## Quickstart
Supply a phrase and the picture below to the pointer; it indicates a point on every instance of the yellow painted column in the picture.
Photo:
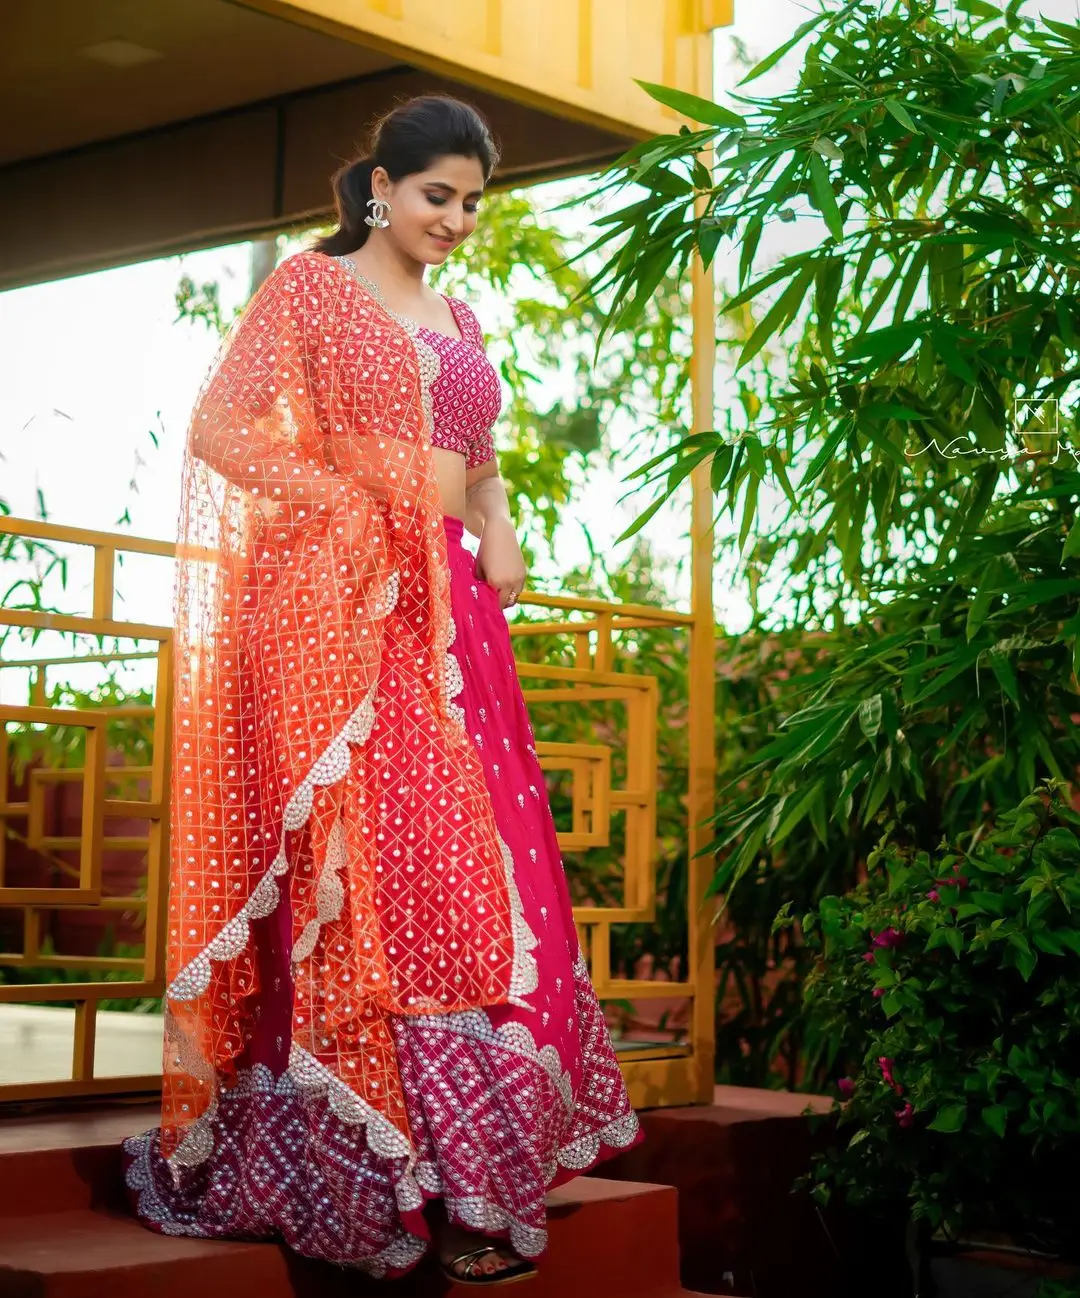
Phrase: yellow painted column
(702, 726)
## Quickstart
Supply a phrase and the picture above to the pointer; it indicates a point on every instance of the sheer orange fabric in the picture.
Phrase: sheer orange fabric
(315, 748)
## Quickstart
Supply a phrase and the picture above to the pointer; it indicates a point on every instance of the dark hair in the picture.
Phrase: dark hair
(405, 141)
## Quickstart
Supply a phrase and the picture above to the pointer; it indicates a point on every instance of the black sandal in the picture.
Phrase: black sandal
(522, 1269)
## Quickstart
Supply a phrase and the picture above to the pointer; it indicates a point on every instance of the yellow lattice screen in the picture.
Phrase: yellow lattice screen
(69, 862)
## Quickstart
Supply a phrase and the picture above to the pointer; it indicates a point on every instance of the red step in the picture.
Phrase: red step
(734, 1164)
(64, 1233)
(67, 1160)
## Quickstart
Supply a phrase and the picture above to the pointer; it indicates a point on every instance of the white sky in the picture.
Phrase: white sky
(95, 363)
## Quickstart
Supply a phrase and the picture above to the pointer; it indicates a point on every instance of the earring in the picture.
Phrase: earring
(380, 213)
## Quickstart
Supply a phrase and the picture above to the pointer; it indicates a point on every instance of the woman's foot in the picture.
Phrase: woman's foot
(455, 1243)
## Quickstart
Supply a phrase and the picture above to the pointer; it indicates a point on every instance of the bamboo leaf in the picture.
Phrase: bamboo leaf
(961, 662)
(1006, 677)
(755, 456)
(799, 811)
(902, 115)
(1072, 542)
(692, 106)
(870, 716)
(908, 288)
(785, 269)
(749, 509)
(821, 186)
(750, 240)
(641, 520)
(828, 149)
(1042, 592)
(779, 316)
(829, 277)
(979, 608)
(771, 60)
(825, 454)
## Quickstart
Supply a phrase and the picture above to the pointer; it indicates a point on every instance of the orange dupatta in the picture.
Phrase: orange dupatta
(316, 747)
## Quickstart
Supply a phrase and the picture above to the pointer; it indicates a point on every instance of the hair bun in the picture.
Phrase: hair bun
(406, 141)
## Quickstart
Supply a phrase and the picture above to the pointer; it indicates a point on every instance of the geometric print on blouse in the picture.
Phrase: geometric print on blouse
(466, 397)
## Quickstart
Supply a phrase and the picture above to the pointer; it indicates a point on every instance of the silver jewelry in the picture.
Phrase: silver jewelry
(380, 213)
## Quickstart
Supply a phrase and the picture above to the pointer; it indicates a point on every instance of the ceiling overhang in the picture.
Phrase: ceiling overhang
(130, 130)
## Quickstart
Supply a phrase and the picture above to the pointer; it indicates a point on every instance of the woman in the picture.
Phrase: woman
(380, 1031)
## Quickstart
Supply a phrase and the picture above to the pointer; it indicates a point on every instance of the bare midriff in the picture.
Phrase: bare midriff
(450, 476)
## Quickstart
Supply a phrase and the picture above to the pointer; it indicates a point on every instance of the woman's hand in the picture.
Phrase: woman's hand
(499, 560)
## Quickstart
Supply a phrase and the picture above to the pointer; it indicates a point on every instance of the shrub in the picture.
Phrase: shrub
(948, 985)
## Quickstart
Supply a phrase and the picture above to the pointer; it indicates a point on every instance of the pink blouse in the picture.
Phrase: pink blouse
(466, 397)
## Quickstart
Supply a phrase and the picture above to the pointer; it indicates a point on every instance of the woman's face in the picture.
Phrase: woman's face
(433, 211)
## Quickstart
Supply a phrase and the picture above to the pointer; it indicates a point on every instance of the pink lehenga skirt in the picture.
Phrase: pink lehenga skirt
(503, 1104)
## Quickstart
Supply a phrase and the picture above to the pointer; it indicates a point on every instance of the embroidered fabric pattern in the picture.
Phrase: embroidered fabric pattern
(466, 396)
(194, 978)
(312, 631)
(523, 977)
(493, 1133)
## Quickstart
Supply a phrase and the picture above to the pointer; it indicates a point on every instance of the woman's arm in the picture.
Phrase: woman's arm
(485, 497)
(499, 560)
(258, 435)
(266, 470)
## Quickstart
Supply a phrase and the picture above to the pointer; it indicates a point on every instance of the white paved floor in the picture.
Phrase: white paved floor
(36, 1043)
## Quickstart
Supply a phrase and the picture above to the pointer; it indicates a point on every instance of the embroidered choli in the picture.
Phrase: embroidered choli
(466, 397)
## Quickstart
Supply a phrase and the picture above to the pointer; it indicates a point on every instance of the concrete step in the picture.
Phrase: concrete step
(606, 1238)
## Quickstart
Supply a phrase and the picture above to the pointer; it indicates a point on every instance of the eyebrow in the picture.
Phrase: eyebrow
(449, 189)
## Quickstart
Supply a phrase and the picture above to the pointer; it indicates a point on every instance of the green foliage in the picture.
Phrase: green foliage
(759, 1028)
(107, 947)
(907, 522)
(65, 746)
(948, 987)
(202, 302)
(29, 568)
(949, 303)
(1060, 1288)
(955, 695)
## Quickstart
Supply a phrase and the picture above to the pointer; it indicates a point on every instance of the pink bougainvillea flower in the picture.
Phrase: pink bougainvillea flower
(888, 937)
(878, 993)
(905, 1115)
(886, 1065)
(934, 895)
(846, 1087)
(953, 881)
(869, 957)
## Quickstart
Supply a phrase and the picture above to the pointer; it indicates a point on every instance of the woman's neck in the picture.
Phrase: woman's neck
(399, 276)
